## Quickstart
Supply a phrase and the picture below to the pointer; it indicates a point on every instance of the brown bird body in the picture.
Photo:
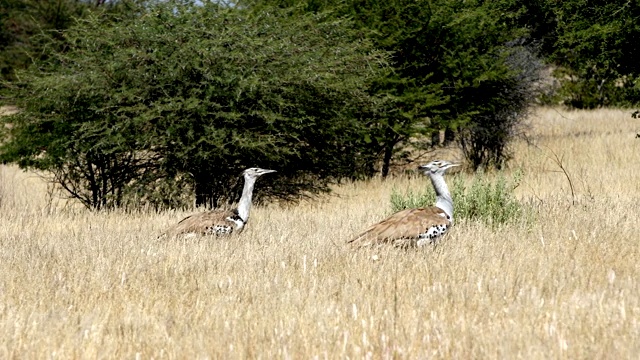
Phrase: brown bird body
(415, 227)
(221, 222)
(410, 227)
(217, 222)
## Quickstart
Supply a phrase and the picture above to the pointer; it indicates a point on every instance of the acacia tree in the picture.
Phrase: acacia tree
(193, 94)
(594, 48)
(457, 66)
(23, 21)
(492, 73)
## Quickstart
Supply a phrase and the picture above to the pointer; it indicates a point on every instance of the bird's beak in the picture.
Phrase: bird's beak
(266, 171)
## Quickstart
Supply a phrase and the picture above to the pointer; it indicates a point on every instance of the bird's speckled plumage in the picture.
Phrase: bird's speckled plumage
(216, 222)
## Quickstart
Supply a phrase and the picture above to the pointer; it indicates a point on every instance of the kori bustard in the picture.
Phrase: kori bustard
(221, 222)
(415, 227)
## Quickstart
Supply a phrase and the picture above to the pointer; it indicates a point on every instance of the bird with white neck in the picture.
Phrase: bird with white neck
(221, 222)
(415, 227)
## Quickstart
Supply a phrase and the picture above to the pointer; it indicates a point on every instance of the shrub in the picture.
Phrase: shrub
(491, 202)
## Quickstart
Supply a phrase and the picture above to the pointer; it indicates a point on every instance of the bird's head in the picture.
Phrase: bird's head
(436, 167)
(256, 172)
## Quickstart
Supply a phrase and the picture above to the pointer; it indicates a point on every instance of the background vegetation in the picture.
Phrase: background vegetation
(24, 22)
(129, 103)
(595, 47)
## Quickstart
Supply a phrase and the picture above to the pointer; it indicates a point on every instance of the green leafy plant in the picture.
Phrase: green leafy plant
(490, 201)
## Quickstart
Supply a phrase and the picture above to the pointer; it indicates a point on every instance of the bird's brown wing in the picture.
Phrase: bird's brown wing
(204, 223)
(405, 224)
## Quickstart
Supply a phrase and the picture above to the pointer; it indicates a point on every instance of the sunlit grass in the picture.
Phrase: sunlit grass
(75, 284)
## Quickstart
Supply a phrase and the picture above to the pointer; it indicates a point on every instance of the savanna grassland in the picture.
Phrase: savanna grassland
(76, 284)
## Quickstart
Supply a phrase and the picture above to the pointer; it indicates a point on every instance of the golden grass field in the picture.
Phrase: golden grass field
(76, 284)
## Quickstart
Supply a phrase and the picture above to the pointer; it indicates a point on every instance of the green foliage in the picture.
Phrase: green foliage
(195, 94)
(20, 20)
(190, 92)
(489, 201)
(25, 25)
(493, 79)
(459, 66)
(594, 44)
(471, 53)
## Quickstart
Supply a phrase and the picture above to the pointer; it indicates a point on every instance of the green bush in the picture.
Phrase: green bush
(492, 202)
(591, 47)
(191, 93)
(468, 68)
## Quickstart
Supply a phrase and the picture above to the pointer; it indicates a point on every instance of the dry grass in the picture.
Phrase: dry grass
(74, 284)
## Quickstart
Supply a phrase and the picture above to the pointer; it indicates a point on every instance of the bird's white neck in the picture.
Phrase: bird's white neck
(244, 205)
(443, 197)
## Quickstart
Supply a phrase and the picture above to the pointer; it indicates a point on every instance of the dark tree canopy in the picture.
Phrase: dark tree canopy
(463, 67)
(597, 48)
(26, 24)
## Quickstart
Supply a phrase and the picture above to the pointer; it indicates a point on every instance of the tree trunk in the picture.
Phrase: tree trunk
(388, 154)
(449, 136)
(204, 196)
(435, 138)
(386, 160)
